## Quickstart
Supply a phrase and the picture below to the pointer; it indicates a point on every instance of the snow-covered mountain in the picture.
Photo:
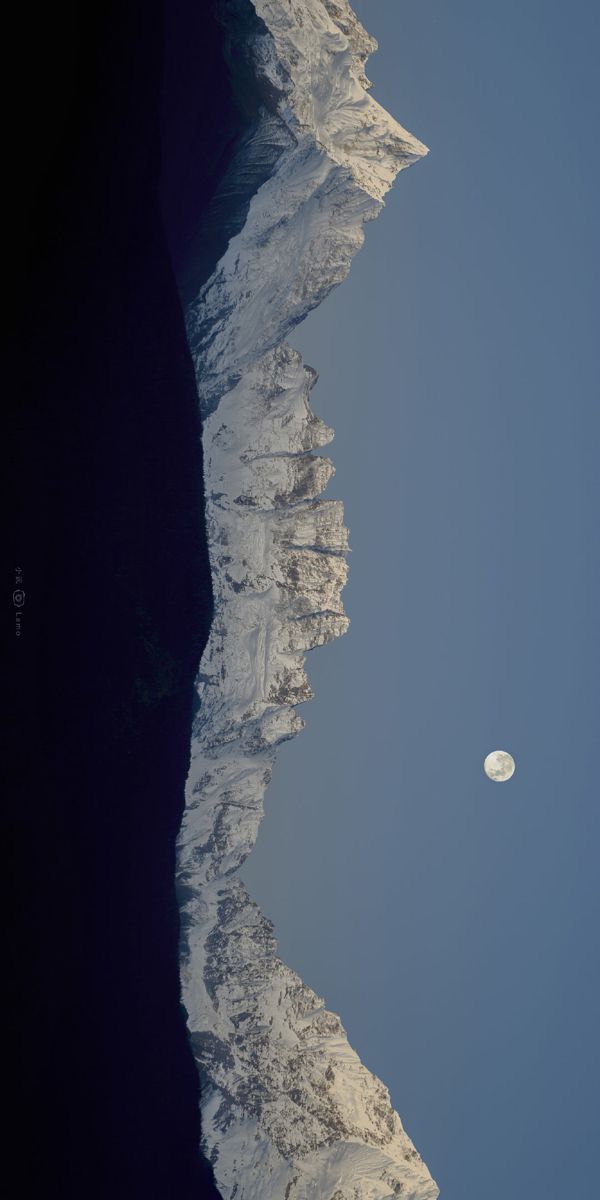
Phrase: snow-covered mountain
(289, 1112)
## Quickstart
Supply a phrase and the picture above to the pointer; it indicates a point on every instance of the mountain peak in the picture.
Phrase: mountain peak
(324, 48)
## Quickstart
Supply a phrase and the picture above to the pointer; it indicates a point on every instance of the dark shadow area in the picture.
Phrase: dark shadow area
(107, 542)
(216, 151)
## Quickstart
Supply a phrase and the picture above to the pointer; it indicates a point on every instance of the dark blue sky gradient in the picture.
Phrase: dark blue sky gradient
(453, 922)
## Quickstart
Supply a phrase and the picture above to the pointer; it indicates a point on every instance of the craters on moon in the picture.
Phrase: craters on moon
(499, 765)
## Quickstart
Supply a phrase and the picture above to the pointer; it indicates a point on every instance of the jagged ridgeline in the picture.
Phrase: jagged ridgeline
(288, 1109)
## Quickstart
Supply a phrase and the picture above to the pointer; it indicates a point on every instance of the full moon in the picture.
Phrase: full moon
(499, 765)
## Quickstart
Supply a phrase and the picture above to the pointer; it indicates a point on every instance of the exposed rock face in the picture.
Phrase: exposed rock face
(289, 1110)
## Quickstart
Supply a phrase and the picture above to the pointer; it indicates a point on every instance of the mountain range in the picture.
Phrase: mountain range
(288, 1110)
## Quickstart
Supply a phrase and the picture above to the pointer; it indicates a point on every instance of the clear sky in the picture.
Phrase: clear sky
(453, 922)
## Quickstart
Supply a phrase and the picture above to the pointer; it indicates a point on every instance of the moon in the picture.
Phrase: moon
(499, 766)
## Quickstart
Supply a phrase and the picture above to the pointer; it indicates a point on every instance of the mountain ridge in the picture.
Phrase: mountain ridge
(288, 1109)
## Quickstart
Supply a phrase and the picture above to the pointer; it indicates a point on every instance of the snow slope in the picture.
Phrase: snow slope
(288, 1109)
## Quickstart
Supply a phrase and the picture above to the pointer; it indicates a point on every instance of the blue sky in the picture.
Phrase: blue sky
(453, 922)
